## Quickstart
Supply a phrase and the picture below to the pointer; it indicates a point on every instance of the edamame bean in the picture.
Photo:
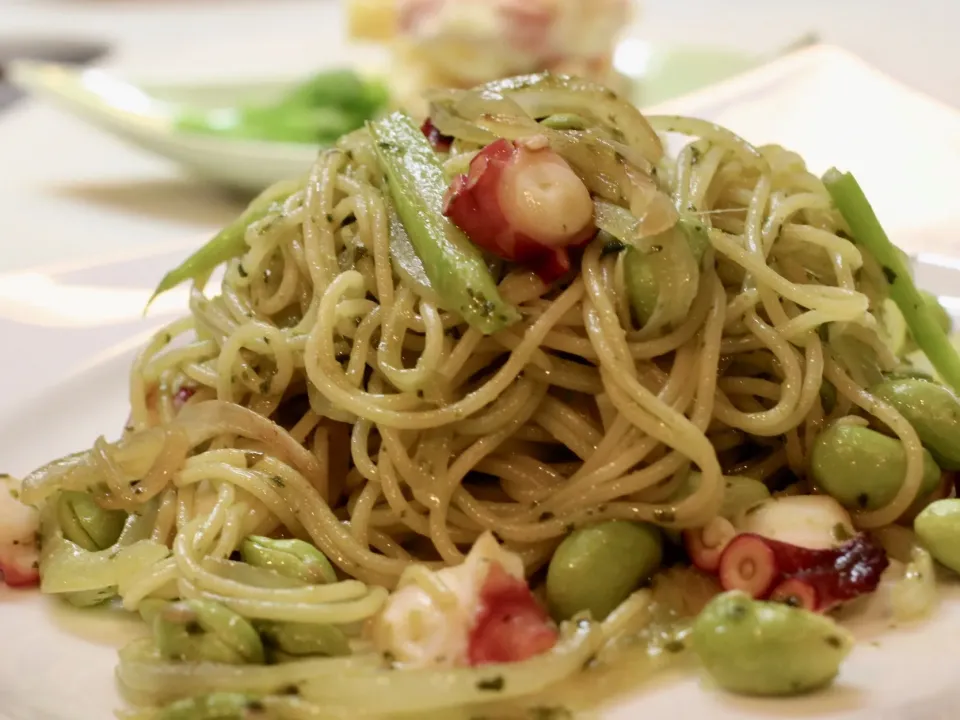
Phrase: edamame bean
(216, 706)
(292, 558)
(202, 630)
(739, 493)
(87, 524)
(763, 648)
(909, 373)
(596, 567)
(938, 528)
(934, 412)
(302, 639)
(862, 469)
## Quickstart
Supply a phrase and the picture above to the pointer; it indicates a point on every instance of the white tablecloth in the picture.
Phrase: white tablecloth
(69, 193)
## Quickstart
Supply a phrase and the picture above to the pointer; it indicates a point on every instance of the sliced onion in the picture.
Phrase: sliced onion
(136, 453)
(626, 228)
(153, 680)
(66, 567)
(548, 94)
(419, 691)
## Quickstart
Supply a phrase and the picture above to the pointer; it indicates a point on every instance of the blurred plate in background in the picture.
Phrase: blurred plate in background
(135, 111)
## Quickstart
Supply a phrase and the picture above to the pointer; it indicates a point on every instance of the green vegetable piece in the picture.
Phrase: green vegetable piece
(938, 527)
(229, 242)
(642, 284)
(318, 110)
(303, 639)
(342, 89)
(862, 469)
(205, 631)
(321, 125)
(216, 706)
(938, 311)
(924, 326)
(454, 265)
(908, 373)
(740, 493)
(596, 567)
(87, 524)
(565, 121)
(762, 648)
(934, 412)
(291, 558)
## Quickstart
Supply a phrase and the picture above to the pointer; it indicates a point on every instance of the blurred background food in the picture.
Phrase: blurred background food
(98, 194)
(460, 43)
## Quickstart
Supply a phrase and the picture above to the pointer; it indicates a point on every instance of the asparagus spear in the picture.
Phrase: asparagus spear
(455, 267)
(229, 242)
(924, 326)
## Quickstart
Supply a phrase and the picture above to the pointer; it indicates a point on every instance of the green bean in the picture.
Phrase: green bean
(761, 648)
(290, 558)
(303, 639)
(924, 326)
(864, 470)
(205, 631)
(596, 567)
(216, 706)
(740, 494)
(932, 410)
(454, 265)
(85, 523)
(938, 527)
(229, 242)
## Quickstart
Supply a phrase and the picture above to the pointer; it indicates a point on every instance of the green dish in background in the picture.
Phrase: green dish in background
(246, 135)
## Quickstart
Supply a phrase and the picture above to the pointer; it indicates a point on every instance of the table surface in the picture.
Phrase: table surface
(69, 193)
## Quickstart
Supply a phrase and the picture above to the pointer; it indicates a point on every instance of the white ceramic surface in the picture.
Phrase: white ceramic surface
(69, 334)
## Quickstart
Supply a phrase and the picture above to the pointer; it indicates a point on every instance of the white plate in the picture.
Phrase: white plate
(69, 335)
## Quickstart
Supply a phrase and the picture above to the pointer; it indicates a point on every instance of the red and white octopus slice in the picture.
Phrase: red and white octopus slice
(484, 613)
(19, 528)
(800, 549)
(522, 202)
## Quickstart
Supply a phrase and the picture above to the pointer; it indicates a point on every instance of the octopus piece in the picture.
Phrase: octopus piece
(475, 613)
(522, 202)
(19, 529)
